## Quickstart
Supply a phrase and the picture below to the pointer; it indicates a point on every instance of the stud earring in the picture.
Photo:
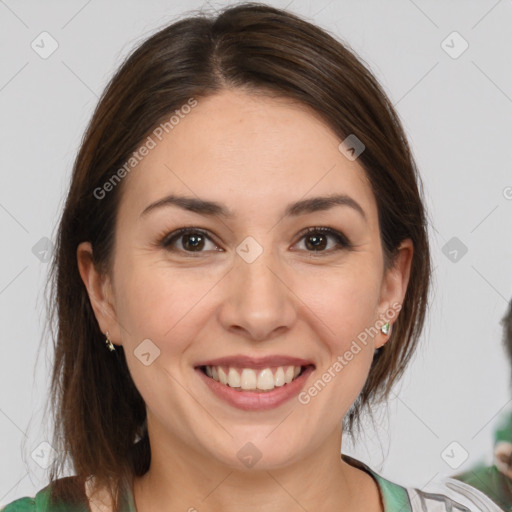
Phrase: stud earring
(109, 343)
(385, 328)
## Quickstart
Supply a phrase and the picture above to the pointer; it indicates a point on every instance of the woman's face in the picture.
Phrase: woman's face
(250, 284)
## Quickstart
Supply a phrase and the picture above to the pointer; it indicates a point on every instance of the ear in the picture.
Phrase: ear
(394, 286)
(99, 289)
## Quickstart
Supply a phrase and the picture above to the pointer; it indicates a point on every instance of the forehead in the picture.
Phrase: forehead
(250, 151)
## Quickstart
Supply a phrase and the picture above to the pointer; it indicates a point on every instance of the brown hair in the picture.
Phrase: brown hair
(98, 412)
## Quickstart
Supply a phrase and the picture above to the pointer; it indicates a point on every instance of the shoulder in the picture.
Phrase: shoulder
(63, 495)
(26, 504)
(490, 481)
(448, 494)
(441, 495)
(484, 477)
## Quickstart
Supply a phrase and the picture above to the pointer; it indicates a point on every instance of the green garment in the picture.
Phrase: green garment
(395, 498)
(489, 479)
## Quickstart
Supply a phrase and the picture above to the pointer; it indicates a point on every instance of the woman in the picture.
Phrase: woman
(242, 269)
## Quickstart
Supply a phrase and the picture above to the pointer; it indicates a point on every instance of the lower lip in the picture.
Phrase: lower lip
(257, 401)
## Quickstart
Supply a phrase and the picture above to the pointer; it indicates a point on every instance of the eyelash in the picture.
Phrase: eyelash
(342, 242)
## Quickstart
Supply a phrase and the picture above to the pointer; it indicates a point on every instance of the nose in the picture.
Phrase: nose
(258, 301)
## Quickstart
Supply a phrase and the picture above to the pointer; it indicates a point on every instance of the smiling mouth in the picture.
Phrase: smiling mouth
(249, 379)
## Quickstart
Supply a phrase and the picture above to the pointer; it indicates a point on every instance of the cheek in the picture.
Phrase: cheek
(156, 305)
(346, 302)
(157, 302)
(346, 310)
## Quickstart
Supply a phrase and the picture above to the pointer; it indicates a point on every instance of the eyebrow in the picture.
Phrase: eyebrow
(212, 208)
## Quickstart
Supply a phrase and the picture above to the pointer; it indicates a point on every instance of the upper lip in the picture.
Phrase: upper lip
(242, 361)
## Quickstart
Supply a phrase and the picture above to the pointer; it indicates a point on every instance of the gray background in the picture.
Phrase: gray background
(457, 113)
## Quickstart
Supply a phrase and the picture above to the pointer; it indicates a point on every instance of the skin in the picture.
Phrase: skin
(255, 154)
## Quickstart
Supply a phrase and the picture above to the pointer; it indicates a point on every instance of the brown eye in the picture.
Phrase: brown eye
(317, 239)
(187, 240)
(316, 242)
(193, 241)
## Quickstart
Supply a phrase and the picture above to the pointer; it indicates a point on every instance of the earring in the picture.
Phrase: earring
(385, 328)
(109, 343)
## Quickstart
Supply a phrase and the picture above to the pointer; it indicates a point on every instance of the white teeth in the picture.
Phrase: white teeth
(288, 376)
(250, 380)
(279, 377)
(223, 378)
(266, 379)
(233, 378)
